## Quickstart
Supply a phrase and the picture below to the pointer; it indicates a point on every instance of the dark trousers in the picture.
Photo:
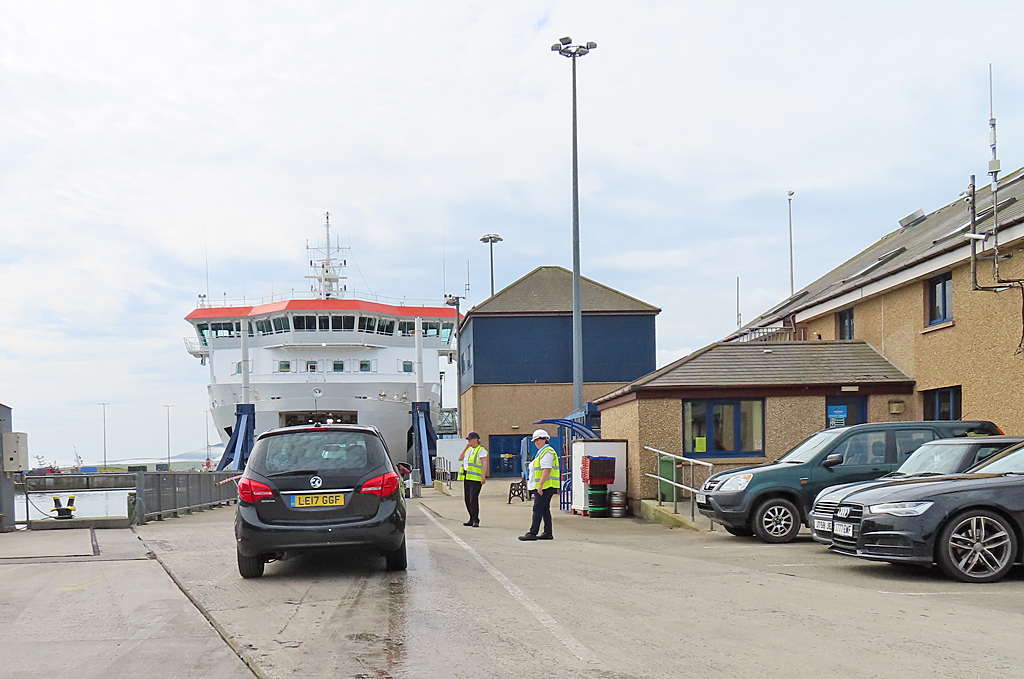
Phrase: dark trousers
(471, 491)
(542, 510)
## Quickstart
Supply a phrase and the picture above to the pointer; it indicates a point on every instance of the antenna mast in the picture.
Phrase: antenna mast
(326, 271)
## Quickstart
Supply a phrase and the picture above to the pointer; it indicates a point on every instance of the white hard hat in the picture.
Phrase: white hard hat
(540, 434)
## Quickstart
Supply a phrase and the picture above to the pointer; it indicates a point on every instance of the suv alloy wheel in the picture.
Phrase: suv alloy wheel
(776, 520)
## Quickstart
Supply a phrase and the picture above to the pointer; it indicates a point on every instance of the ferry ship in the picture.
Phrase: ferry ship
(330, 355)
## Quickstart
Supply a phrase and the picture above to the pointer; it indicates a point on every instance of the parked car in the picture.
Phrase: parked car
(317, 487)
(969, 524)
(935, 458)
(773, 500)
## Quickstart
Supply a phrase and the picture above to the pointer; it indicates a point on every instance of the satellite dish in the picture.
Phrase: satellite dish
(318, 392)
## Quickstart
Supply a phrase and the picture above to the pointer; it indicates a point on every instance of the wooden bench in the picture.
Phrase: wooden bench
(517, 489)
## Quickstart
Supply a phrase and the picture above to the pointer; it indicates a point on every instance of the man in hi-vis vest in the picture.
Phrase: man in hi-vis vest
(473, 473)
(544, 477)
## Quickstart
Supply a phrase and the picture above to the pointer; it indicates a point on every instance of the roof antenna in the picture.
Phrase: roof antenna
(444, 272)
(993, 171)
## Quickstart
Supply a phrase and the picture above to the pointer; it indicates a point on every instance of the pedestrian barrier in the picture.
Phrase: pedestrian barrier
(443, 470)
(159, 495)
(673, 481)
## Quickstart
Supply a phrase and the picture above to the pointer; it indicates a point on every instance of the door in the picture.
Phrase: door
(503, 455)
(842, 411)
(866, 456)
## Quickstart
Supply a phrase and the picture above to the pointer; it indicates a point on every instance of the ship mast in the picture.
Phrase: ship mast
(326, 271)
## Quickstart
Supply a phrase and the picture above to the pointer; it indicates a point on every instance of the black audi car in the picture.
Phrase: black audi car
(935, 458)
(318, 487)
(970, 525)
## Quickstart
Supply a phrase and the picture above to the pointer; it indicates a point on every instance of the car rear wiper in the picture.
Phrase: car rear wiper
(891, 474)
(294, 471)
(929, 474)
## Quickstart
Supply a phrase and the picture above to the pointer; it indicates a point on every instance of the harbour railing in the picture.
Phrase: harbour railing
(159, 495)
(674, 481)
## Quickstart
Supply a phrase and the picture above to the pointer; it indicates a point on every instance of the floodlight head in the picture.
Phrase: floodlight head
(565, 41)
(580, 51)
(790, 193)
(557, 47)
(591, 45)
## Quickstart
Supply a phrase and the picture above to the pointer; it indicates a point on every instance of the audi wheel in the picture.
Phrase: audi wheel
(977, 546)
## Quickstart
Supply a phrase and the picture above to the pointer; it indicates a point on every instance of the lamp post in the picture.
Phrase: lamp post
(104, 406)
(789, 199)
(565, 47)
(453, 300)
(491, 239)
(168, 436)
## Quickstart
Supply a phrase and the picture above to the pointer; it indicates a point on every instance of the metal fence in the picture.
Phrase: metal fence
(162, 494)
(691, 490)
(443, 470)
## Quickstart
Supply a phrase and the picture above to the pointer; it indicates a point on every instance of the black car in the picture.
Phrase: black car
(772, 500)
(935, 458)
(315, 487)
(969, 524)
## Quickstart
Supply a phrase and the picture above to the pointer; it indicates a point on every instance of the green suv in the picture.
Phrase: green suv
(773, 500)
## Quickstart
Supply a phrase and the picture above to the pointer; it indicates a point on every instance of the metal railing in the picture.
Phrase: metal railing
(675, 485)
(162, 494)
(44, 483)
(448, 421)
(776, 334)
(443, 470)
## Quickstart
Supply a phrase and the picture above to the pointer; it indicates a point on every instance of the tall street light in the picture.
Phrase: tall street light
(565, 47)
(168, 437)
(104, 405)
(789, 199)
(491, 239)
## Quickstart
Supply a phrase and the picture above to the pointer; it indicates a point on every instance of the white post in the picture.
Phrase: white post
(418, 335)
(244, 325)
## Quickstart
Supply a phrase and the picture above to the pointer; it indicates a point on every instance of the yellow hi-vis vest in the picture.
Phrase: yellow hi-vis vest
(554, 479)
(473, 471)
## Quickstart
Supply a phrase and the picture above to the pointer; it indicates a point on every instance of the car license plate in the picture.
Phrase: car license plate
(843, 529)
(318, 500)
(702, 499)
(820, 524)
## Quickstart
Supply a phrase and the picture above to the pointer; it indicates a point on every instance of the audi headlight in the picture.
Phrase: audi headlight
(901, 508)
(735, 483)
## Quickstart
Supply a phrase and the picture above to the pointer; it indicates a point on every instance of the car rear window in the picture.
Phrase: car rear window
(350, 452)
(1008, 461)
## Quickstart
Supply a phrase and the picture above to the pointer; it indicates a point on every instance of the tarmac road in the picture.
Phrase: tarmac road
(609, 599)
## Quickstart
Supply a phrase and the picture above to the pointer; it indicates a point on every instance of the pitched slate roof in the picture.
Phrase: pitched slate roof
(772, 364)
(932, 235)
(548, 290)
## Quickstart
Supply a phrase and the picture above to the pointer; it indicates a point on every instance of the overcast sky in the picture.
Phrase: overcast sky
(138, 137)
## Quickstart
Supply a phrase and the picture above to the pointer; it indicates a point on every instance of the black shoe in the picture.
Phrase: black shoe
(475, 524)
(545, 536)
(529, 537)
(468, 523)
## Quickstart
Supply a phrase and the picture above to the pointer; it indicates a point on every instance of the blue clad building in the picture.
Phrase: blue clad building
(515, 354)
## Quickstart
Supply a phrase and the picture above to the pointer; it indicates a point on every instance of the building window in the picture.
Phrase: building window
(844, 321)
(365, 366)
(940, 299)
(311, 366)
(284, 366)
(942, 404)
(733, 428)
(407, 366)
(339, 366)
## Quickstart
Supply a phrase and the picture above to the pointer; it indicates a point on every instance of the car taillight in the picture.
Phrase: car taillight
(381, 486)
(251, 491)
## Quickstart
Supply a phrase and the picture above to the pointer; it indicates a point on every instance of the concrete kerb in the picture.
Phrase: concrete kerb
(650, 510)
(224, 634)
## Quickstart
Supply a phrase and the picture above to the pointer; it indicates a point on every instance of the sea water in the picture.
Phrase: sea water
(88, 503)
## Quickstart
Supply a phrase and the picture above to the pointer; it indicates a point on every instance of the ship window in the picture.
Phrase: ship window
(264, 326)
(446, 332)
(385, 327)
(339, 366)
(281, 324)
(204, 332)
(311, 366)
(431, 328)
(284, 366)
(407, 366)
(367, 324)
(237, 368)
(325, 322)
(343, 322)
(304, 322)
(406, 328)
(223, 329)
(365, 366)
